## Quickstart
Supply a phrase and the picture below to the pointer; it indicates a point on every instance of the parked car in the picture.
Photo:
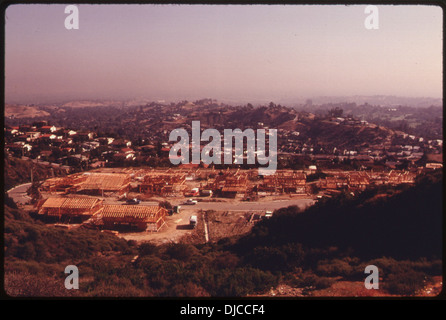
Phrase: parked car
(191, 202)
(133, 201)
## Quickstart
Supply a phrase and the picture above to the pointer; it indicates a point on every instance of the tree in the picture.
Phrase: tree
(336, 112)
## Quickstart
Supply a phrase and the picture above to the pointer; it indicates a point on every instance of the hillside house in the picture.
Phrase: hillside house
(32, 135)
(48, 129)
(121, 143)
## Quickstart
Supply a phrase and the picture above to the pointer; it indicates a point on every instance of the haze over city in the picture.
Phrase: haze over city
(244, 53)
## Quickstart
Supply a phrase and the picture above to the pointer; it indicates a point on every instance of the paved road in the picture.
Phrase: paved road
(18, 194)
(228, 206)
(111, 201)
(250, 206)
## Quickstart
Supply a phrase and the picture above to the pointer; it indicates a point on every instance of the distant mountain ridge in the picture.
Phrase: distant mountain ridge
(379, 100)
(382, 100)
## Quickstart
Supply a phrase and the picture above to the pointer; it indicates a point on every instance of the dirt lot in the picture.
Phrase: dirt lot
(176, 227)
(223, 224)
(219, 224)
(217, 218)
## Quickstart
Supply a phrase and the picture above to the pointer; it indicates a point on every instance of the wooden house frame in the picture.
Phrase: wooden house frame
(59, 207)
(144, 218)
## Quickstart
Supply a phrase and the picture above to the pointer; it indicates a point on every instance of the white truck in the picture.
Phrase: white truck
(193, 221)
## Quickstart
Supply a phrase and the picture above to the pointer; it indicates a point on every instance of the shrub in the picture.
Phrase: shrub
(166, 204)
(181, 251)
(267, 258)
(115, 286)
(26, 251)
(406, 283)
(9, 202)
(189, 289)
(335, 267)
(306, 279)
(226, 260)
(24, 284)
(323, 282)
(147, 248)
(240, 282)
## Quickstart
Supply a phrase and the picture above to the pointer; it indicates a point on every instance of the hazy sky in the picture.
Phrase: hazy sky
(245, 52)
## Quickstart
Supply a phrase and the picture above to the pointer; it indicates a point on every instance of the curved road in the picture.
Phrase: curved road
(18, 193)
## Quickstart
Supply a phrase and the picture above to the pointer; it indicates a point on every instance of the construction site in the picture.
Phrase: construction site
(158, 204)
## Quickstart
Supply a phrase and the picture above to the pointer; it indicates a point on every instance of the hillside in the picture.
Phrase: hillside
(154, 121)
(36, 255)
(17, 171)
(406, 225)
(324, 250)
(22, 111)
(331, 134)
(321, 251)
(424, 122)
(40, 252)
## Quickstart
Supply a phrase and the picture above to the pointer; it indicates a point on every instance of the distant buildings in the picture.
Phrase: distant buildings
(284, 182)
(360, 180)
